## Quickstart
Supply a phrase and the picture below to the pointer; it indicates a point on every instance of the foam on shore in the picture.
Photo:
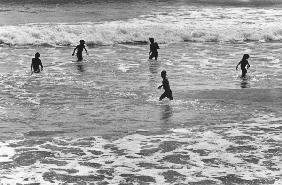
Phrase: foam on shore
(242, 153)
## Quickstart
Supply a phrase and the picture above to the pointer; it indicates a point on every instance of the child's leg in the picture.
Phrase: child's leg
(156, 56)
(79, 57)
(244, 72)
(162, 96)
(169, 95)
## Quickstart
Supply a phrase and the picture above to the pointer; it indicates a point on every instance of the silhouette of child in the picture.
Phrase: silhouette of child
(36, 62)
(153, 49)
(166, 87)
(79, 49)
(244, 62)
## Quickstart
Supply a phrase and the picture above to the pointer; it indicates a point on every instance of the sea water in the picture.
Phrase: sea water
(99, 121)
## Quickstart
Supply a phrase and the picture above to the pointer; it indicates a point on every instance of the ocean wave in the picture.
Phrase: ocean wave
(110, 33)
(238, 2)
(216, 2)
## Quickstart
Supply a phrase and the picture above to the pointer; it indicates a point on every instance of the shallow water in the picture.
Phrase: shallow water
(116, 85)
(100, 120)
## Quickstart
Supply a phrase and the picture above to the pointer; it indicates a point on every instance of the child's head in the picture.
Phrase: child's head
(82, 42)
(163, 74)
(151, 40)
(246, 56)
(37, 55)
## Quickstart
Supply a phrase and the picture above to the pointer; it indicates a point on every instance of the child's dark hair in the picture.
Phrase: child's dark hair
(163, 73)
(151, 39)
(82, 42)
(37, 55)
(245, 56)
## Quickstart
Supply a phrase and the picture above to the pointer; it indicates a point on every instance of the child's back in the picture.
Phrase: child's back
(153, 49)
(35, 63)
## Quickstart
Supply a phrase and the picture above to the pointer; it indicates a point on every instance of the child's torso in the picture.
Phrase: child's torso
(243, 64)
(80, 48)
(36, 62)
(154, 46)
(166, 85)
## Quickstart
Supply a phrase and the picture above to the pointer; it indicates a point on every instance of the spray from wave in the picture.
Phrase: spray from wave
(111, 33)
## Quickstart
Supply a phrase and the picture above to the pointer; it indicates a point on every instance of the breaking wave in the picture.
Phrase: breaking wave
(216, 2)
(110, 33)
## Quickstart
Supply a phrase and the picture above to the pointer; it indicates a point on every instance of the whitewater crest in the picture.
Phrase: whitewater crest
(119, 32)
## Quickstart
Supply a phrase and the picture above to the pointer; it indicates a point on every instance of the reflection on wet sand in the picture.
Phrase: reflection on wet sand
(80, 67)
(153, 68)
(166, 112)
(245, 83)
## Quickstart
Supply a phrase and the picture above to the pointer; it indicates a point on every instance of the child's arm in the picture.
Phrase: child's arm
(74, 50)
(248, 65)
(41, 65)
(31, 67)
(85, 50)
(238, 65)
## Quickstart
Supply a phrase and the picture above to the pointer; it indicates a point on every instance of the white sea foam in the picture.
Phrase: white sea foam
(214, 153)
(6, 152)
(110, 33)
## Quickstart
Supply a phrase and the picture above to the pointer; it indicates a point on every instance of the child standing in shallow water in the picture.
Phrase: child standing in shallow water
(166, 87)
(79, 49)
(153, 49)
(244, 62)
(35, 63)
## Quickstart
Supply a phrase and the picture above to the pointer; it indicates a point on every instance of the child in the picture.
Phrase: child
(166, 87)
(153, 49)
(80, 48)
(36, 62)
(244, 62)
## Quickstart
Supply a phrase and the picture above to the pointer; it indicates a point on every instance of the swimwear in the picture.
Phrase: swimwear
(244, 72)
(167, 94)
(154, 49)
(155, 54)
(79, 56)
(36, 62)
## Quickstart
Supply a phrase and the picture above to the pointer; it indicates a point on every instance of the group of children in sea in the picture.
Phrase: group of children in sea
(153, 53)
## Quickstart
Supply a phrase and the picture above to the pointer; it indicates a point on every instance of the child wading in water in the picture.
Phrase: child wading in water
(79, 49)
(244, 62)
(153, 49)
(168, 92)
(35, 63)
